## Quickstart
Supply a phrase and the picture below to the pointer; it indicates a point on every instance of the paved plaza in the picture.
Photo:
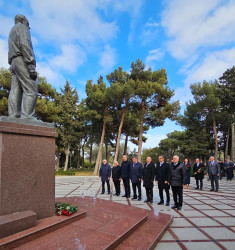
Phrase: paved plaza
(206, 221)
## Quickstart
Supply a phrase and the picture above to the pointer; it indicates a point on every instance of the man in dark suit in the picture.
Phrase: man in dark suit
(125, 175)
(105, 173)
(136, 176)
(213, 170)
(162, 178)
(148, 178)
(198, 170)
(228, 165)
(177, 180)
(116, 175)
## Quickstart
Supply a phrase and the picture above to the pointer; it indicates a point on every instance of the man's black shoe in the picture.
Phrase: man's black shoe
(175, 206)
(212, 189)
(134, 198)
(196, 188)
(200, 188)
(179, 208)
(102, 193)
(118, 194)
(124, 195)
(139, 199)
(151, 202)
(145, 200)
(127, 196)
(167, 204)
(216, 190)
(160, 202)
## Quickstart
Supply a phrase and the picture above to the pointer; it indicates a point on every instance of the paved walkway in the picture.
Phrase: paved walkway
(206, 221)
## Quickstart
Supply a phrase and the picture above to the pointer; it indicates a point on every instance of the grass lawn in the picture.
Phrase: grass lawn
(75, 172)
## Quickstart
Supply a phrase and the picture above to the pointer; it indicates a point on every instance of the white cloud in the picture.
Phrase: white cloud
(151, 142)
(68, 21)
(213, 66)
(150, 31)
(154, 55)
(132, 7)
(70, 59)
(4, 54)
(6, 24)
(107, 59)
(191, 25)
(210, 68)
(53, 77)
(200, 34)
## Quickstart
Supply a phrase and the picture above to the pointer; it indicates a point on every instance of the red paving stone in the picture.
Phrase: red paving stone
(202, 205)
(106, 226)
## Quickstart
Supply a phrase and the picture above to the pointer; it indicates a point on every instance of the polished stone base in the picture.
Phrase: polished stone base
(27, 168)
(17, 222)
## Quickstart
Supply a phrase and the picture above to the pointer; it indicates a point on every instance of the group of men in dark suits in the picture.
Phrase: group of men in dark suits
(165, 174)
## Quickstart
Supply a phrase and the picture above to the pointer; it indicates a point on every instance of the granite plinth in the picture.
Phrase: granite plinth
(106, 226)
(14, 223)
(27, 168)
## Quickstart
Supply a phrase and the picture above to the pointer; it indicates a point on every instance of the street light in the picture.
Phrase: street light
(70, 154)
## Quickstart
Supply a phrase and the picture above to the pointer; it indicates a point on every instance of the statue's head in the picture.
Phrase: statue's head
(21, 19)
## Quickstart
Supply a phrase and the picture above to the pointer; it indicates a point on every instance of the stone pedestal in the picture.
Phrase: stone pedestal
(27, 167)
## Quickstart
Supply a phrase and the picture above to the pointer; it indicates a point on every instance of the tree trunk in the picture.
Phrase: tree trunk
(57, 161)
(125, 146)
(66, 151)
(83, 153)
(120, 132)
(227, 143)
(233, 141)
(216, 136)
(79, 157)
(107, 152)
(141, 132)
(90, 156)
(99, 156)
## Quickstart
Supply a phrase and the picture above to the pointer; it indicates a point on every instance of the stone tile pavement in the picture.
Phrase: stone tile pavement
(206, 221)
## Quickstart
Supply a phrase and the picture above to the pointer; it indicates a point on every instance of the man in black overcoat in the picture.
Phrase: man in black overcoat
(162, 178)
(125, 175)
(105, 173)
(177, 181)
(148, 178)
(198, 170)
(116, 175)
(136, 176)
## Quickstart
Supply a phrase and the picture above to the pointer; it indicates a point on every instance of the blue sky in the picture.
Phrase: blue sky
(79, 40)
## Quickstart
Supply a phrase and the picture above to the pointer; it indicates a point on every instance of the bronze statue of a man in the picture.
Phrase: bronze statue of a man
(23, 95)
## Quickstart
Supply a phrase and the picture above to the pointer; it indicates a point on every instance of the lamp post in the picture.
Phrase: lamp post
(70, 154)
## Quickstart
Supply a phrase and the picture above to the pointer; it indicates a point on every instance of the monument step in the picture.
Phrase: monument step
(148, 235)
(43, 226)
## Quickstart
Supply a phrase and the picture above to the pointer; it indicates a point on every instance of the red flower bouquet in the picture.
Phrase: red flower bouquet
(65, 209)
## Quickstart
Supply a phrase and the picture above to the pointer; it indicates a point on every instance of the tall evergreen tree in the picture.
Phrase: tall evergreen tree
(152, 98)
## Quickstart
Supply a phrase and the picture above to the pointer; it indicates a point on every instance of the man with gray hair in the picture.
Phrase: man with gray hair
(177, 180)
(23, 95)
(105, 173)
(213, 170)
